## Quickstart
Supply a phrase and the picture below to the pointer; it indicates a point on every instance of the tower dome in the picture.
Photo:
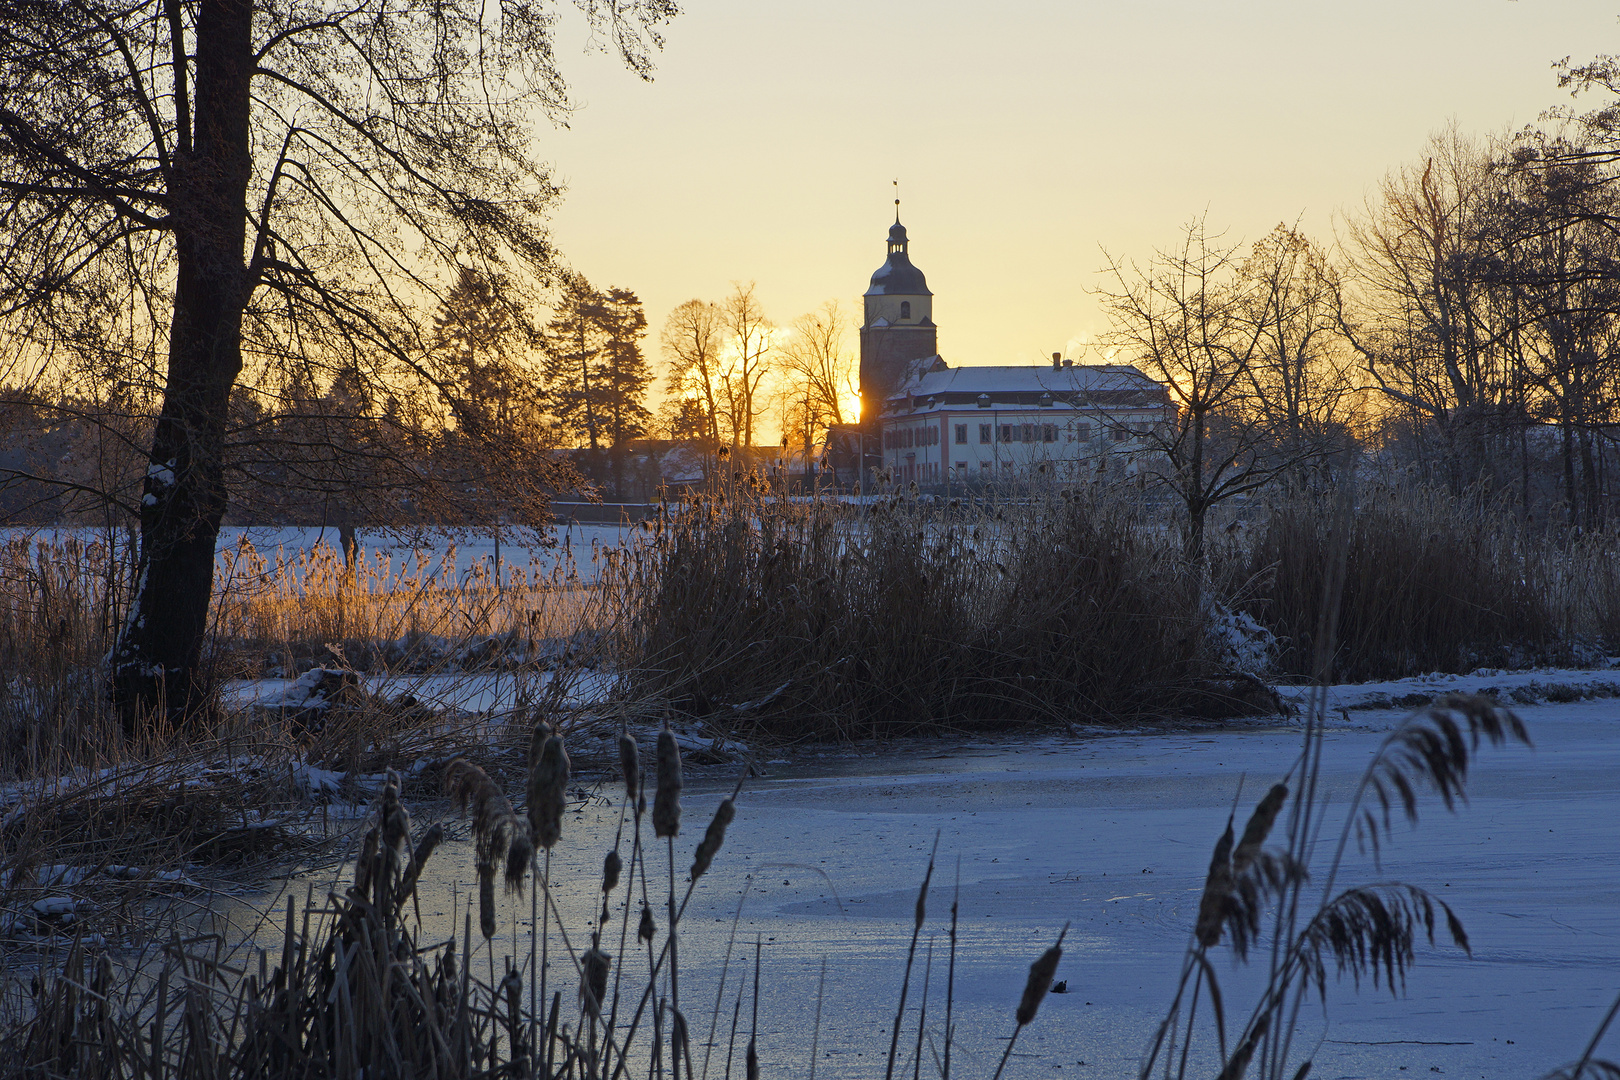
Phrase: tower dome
(897, 276)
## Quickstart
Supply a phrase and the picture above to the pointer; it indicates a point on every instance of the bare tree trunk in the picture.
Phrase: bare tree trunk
(156, 663)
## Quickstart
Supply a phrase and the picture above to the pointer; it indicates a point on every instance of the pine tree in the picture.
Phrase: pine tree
(477, 342)
(573, 351)
(623, 375)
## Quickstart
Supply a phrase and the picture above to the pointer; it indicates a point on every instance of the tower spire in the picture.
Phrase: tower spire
(897, 202)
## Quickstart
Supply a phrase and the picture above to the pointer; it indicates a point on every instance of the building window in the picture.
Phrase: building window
(961, 467)
(984, 466)
(1009, 433)
(1026, 433)
(984, 434)
(984, 401)
(1082, 432)
(905, 309)
(1048, 433)
(1121, 434)
(961, 434)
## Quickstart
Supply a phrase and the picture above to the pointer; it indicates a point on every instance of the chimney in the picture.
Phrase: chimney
(1068, 363)
(1057, 360)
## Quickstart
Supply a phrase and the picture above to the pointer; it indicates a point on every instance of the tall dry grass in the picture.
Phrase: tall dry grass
(60, 603)
(811, 619)
(1432, 584)
(411, 611)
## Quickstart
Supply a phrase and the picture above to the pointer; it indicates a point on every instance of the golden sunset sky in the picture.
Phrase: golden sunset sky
(1026, 138)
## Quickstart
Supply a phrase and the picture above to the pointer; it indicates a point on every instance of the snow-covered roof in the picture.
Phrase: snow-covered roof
(929, 383)
(1039, 378)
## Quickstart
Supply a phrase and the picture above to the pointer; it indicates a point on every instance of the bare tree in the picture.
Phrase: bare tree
(1431, 331)
(1559, 266)
(747, 362)
(815, 363)
(1300, 381)
(245, 180)
(692, 339)
(1193, 323)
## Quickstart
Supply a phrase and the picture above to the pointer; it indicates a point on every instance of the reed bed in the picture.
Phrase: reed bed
(1433, 584)
(783, 618)
(409, 612)
(355, 990)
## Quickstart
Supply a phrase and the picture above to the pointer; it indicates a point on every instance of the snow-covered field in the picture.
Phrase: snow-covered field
(1112, 834)
(574, 545)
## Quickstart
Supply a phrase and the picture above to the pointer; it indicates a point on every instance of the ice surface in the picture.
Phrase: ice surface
(1113, 833)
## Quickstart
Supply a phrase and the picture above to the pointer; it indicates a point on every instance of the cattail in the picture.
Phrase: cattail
(611, 866)
(447, 966)
(499, 835)
(1217, 890)
(713, 837)
(646, 930)
(396, 829)
(512, 990)
(1258, 828)
(519, 851)
(424, 848)
(492, 813)
(666, 814)
(486, 899)
(548, 792)
(921, 911)
(537, 740)
(593, 976)
(630, 765)
(1040, 980)
(363, 866)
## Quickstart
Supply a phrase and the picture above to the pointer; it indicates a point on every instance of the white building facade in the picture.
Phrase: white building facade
(1068, 422)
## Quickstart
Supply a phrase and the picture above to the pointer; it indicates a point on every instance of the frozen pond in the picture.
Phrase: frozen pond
(1112, 834)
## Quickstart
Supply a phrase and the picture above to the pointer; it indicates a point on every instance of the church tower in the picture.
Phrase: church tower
(898, 326)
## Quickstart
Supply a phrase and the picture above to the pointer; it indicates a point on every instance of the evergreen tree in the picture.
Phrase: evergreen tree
(477, 343)
(623, 373)
(573, 350)
(596, 373)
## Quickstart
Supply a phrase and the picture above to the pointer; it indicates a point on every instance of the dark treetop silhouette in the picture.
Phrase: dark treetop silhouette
(236, 180)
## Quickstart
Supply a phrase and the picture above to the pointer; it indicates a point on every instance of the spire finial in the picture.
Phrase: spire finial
(897, 202)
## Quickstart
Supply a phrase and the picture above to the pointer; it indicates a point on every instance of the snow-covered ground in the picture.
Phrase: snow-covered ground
(483, 692)
(574, 545)
(1112, 834)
